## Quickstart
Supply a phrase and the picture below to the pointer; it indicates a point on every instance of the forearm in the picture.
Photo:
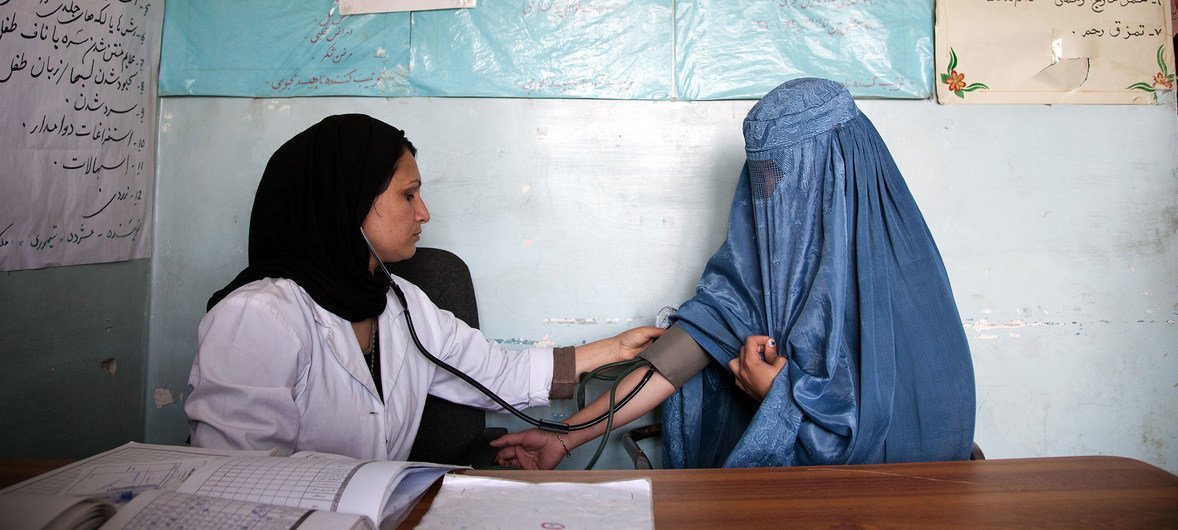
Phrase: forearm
(655, 392)
(595, 355)
(622, 347)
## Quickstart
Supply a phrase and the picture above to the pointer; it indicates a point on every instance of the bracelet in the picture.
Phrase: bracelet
(567, 453)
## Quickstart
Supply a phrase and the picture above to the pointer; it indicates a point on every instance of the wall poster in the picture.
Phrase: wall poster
(1053, 51)
(600, 49)
(79, 134)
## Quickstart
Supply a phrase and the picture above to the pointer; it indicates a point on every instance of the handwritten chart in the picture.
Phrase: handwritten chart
(168, 509)
(278, 48)
(741, 50)
(608, 49)
(290, 482)
(132, 464)
(1053, 51)
(134, 477)
(604, 49)
(78, 84)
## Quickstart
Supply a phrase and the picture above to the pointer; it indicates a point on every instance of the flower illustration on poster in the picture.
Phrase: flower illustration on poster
(956, 79)
(1163, 80)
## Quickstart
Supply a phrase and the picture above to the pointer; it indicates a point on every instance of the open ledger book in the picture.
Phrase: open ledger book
(151, 486)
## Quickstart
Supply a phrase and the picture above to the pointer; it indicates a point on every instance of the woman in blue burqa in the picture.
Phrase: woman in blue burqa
(823, 330)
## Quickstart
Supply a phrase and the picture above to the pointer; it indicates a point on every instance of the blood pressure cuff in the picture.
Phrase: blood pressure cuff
(676, 356)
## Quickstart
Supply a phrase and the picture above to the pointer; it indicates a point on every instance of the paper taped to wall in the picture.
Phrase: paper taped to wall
(358, 7)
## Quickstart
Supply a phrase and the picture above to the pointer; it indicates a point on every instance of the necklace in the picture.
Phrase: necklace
(369, 352)
(371, 339)
(373, 357)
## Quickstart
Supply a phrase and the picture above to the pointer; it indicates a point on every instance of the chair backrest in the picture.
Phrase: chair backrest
(447, 429)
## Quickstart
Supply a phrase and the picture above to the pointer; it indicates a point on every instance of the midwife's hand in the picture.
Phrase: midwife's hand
(631, 342)
(757, 366)
(530, 449)
(622, 347)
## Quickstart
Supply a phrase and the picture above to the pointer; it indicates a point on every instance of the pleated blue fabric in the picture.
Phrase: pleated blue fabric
(828, 254)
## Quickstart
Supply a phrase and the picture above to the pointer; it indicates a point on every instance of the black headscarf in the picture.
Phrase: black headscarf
(312, 200)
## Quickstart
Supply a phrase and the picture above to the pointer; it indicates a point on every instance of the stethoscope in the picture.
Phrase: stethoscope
(611, 372)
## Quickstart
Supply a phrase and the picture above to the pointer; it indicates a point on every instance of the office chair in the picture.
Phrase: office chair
(641, 461)
(450, 433)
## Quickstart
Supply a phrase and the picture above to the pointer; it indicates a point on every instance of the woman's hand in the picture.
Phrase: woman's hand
(623, 347)
(530, 449)
(631, 342)
(757, 366)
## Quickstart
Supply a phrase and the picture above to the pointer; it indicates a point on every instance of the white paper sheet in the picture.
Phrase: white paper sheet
(483, 502)
(359, 7)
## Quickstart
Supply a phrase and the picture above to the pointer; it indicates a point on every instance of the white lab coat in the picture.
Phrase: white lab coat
(274, 369)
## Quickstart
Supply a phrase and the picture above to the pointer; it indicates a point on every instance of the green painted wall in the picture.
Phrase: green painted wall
(57, 327)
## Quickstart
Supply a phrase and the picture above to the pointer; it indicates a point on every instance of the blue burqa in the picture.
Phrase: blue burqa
(828, 254)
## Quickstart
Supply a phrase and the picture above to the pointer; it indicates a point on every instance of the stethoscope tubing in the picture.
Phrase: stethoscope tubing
(550, 426)
(545, 425)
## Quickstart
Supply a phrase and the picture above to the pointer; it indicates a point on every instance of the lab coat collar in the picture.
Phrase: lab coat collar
(342, 345)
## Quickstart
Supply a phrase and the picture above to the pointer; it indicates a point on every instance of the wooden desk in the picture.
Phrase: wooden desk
(14, 470)
(1038, 492)
(1088, 491)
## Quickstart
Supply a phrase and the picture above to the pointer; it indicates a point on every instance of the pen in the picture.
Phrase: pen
(124, 496)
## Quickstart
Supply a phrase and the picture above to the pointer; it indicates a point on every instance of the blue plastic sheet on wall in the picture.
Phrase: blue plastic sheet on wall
(602, 49)
(607, 49)
(279, 48)
(742, 50)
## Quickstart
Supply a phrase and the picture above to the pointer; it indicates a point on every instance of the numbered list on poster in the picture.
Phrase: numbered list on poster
(77, 169)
